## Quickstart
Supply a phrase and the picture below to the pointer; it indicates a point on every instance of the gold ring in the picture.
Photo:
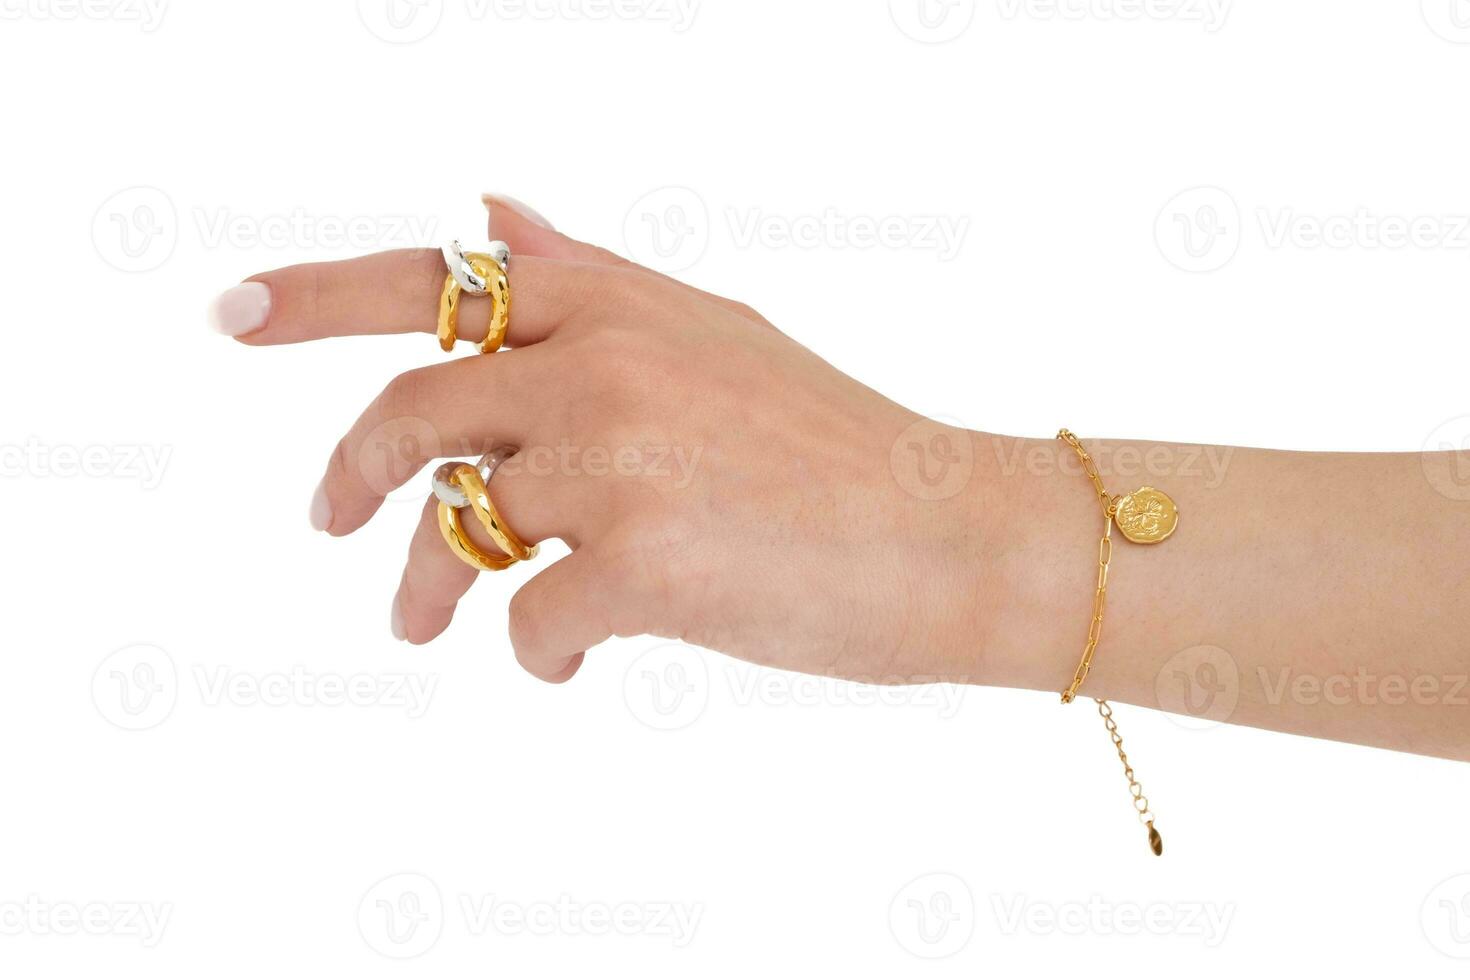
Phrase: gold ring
(467, 478)
(497, 283)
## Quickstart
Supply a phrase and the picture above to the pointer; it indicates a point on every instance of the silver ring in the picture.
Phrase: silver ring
(464, 274)
(452, 495)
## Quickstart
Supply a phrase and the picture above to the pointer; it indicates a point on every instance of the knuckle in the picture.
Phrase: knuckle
(402, 396)
(748, 311)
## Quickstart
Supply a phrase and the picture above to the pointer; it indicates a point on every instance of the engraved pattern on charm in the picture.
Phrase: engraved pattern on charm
(1146, 516)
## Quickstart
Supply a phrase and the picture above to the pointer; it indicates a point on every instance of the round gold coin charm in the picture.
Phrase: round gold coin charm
(1146, 516)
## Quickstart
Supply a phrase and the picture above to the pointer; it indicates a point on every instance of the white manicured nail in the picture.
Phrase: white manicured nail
(395, 622)
(241, 309)
(511, 204)
(321, 508)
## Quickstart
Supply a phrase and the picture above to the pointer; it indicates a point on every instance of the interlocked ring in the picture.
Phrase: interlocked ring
(479, 274)
(450, 493)
(460, 480)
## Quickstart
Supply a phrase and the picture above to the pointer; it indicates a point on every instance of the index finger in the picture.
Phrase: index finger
(398, 292)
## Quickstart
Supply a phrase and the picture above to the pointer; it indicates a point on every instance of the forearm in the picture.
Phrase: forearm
(1324, 594)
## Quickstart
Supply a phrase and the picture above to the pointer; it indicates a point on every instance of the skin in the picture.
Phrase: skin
(771, 508)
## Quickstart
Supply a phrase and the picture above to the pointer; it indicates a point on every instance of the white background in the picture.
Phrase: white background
(799, 826)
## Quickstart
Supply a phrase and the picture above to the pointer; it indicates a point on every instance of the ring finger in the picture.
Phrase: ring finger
(537, 506)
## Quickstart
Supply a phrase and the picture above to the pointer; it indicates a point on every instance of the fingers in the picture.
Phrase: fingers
(398, 292)
(527, 233)
(462, 407)
(564, 611)
(434, 579)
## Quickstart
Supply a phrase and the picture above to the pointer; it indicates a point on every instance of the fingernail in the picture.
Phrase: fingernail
(510, 203)
(241, 309)
(395, 622)
(321, 508)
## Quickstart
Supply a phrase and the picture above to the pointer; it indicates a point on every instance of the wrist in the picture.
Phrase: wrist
(1026, 564)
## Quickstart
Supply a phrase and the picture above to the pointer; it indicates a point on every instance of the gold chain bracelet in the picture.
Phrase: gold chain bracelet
(1145, 516)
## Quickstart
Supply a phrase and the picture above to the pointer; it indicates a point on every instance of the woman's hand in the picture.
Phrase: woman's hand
(716, 481)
